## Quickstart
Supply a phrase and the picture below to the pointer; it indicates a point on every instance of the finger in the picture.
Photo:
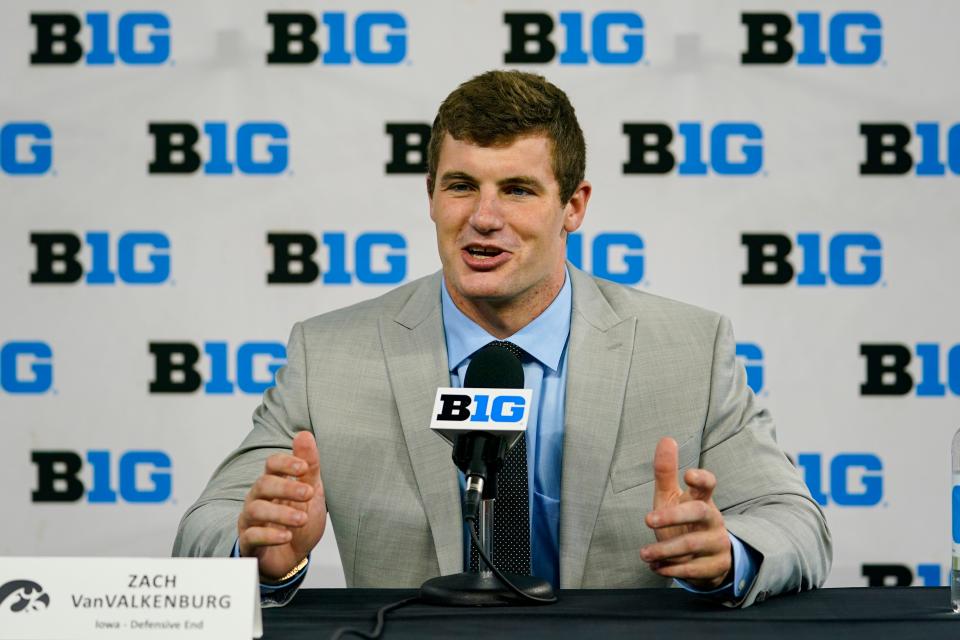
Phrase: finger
(277, 488)
(687, 547)
(665, 467)
(713, 568)
(262, 512)
(305, 448)
(284, 464)
(252, 537)
(700, 484)
(656, 564)
(694, 512)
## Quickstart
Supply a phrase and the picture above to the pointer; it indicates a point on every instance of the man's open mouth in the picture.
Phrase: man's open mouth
(484, 252)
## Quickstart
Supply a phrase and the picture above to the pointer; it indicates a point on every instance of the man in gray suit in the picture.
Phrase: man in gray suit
(631, 389)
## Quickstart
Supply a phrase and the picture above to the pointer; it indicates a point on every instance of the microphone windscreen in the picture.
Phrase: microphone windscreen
(494, 367)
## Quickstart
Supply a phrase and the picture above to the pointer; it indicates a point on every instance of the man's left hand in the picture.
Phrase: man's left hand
(692, 541)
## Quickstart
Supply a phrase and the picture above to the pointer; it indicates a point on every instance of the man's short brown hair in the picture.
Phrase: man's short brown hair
(497, 107)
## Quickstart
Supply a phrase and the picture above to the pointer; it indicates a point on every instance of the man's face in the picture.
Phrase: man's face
(501, 228)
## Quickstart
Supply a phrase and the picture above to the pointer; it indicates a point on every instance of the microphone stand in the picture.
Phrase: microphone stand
(486, 535)
(484, 589)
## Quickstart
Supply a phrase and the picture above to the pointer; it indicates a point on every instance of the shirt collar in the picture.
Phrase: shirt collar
(544, 338)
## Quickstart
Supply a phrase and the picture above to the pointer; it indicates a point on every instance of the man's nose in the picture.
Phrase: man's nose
(488, 215)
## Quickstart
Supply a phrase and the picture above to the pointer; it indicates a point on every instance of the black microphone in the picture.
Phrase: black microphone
(480, 454)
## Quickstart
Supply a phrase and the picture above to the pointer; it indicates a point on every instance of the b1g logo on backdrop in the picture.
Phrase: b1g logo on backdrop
(851, 38)
(26, 367)
(854, 479)
(751, 356)
(259, 148)
(937, 149)
(250, 367)
(378, 258)
(608, 38)
(139, 38)
(843, 259)
(132, 476)
(615, 256)
(135, 257)
(723, 149)
(901, 575)
(378, 38)
(887, 374)
(26, 148)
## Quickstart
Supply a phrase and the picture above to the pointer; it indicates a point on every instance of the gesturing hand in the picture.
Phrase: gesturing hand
(285, 512)
(692, 541)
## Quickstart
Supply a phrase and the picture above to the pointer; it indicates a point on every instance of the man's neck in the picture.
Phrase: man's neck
(502, 319)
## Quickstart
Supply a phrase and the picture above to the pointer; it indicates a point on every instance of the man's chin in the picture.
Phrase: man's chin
(483, 287)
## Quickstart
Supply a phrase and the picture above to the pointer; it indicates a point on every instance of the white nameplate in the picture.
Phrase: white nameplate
(129, 598)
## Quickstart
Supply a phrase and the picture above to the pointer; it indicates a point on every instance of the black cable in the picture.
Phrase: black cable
(382, 611)
(381, 621)
(523, 594)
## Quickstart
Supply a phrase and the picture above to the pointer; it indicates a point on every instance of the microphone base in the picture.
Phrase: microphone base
(476, 590)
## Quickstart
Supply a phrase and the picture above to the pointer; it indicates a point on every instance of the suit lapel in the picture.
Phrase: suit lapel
(598, 362)
(416, 357)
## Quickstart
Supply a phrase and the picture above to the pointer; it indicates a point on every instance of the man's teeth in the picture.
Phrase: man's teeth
(483, 253)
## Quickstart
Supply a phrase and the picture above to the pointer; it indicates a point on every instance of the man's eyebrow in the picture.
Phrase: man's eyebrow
(522, 181)
(451, 176)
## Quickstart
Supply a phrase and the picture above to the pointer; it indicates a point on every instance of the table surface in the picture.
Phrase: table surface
(875, 613)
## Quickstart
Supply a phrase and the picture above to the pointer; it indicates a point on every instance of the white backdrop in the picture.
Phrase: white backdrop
(76, 367)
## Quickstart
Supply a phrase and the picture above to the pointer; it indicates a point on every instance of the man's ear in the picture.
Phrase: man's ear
(576, 207)
(430, 197)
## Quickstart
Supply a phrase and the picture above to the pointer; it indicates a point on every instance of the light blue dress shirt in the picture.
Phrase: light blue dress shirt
(545, 374)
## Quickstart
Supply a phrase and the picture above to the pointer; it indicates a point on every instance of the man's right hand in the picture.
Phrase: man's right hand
(285, 512)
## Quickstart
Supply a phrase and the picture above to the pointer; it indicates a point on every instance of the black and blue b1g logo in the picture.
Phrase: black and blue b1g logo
(474, 406)
(141, 38)
(139, 258)
(901, 575)
(937, 149)
(887, 374)
(724, 149)
(378, 257)
(852, 38)
(253, 366)
(609, 38)
(855, 479)
(142, 477)
(26, 367)
(615, 256)
(379, 38)
(26, 148)
(751, 356)
(851, 259)
(261, 148)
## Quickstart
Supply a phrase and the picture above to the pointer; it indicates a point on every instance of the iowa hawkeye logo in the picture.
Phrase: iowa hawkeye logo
(25, 594)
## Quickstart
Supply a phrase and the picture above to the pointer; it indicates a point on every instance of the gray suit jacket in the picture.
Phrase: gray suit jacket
(640, 367)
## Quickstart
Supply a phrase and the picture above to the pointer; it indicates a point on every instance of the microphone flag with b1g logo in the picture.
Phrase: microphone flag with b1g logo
(501, 411)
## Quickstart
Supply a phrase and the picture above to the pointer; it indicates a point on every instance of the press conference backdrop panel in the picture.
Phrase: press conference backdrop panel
(181, 182)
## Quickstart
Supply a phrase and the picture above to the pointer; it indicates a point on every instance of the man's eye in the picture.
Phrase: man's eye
(518, 191)
(459, 186)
